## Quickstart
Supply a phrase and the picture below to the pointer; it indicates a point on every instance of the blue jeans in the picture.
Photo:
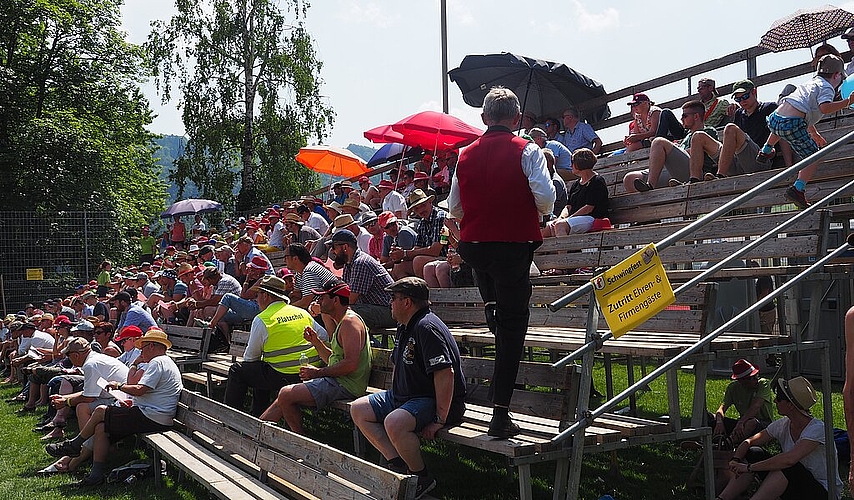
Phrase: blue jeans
(239, 310)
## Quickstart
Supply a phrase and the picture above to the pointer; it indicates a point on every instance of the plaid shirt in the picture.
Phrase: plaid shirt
(367, 277)
(430, 229)
(228, 285)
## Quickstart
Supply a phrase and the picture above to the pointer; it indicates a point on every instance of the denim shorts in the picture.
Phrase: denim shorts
(423, 409)
(325, 390)
(794, 131)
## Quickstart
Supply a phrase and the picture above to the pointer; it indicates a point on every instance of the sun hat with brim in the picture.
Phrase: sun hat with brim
(385, 184)
(129, 332)
(799, 391)
(418, 197)
(83, 326)
(258, 262)
(386, 218)
(334, 206)
(341, 222)
(153, 335)
(293, 219)
(75, 344)
(743, 369)
(185, 268)
(334, 287)
(48, 316)
(367, 219)
(273, 285)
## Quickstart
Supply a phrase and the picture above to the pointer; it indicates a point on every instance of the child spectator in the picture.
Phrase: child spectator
(795, 119)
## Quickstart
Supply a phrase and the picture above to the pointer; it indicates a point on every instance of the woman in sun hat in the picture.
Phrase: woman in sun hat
(800, 471)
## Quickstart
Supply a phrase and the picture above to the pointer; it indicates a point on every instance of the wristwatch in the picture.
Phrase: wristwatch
(439, 420)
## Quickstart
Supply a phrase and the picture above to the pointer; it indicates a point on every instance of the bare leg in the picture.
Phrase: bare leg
(806, 173)
(402, 270)
(218, 314)
(443, 273)
(400, 426)
(702, 144)
(629, 182)
(419, 262)
(733, 140)
(430, 274)
(364, 418)
(290, 401)
(658, 152)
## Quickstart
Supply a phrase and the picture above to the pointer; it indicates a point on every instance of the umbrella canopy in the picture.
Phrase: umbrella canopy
(191, 207)
(383, 133)
(806, 27)
(394, 152)
(544, 88)
(435, 131)
(330, 160)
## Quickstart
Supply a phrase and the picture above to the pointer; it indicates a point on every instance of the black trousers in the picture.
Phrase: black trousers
(261, 378)
(669, 126)
(502, 276)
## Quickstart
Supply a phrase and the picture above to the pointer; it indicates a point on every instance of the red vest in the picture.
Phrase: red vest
(494, 191)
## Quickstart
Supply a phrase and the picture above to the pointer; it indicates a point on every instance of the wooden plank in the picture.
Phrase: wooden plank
(245, 424)
(381, 482)
(220, 436)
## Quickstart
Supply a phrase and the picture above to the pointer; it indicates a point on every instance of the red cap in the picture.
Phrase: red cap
(742, 369)
(258, 262)
(129, 332)
(386, 218)
(62, 320)
(421, 176)
(386, 184)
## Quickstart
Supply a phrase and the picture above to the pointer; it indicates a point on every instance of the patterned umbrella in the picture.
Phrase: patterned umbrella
(806, 27)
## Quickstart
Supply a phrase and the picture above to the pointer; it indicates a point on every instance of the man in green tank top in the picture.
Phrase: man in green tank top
(348, 360)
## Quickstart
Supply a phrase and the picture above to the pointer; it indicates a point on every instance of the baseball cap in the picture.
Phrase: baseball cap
(639, 97)
(333, 286)
(343, 236)
(76, 344)
(830, 64)
(411, 287)
(129, 332)
(386, 218)
(742, 86)
(83, 326)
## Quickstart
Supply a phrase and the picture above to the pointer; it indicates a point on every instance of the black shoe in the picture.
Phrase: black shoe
(62, 449)
(89, 481)
(425, 484)
(797, 197)
(502, 427)
(642, 186)
(27, 409)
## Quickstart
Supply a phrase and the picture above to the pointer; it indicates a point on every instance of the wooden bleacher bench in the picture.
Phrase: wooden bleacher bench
(189, 344)
(214, 371)
(237, 456)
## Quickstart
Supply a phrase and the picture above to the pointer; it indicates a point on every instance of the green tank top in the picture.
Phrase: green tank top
(357, 381)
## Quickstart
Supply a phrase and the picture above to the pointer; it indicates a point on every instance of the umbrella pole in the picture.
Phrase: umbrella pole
(525, 99)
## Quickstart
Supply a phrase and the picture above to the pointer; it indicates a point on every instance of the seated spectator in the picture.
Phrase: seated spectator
(155, 401)
(422, 181)
(578, 134)
(427, 245)
(751, 397)
(222, 284)
(236, 309)
(370, 223)
(367, 280)
(370, 193)
(393, 201)
(562, 155)
(452, 271)
(650, 122)
(801, 469)
(348, 360)
(743, 137)
(716, 107)
(672, 161)
(313, 219)
(587, 199)
(398, 236)
(310, 274)
(557, 180)
(272, 356)
(446, 163)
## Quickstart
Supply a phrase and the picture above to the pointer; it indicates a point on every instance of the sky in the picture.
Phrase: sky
(382, 58)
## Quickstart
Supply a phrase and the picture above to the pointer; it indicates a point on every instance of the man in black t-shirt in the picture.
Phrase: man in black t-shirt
(428, 389)
(748, 131)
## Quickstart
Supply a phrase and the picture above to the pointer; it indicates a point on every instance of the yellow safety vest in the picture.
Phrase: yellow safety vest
(285, 326)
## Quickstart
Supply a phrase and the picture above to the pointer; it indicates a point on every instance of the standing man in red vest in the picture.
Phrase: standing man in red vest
(500, 191)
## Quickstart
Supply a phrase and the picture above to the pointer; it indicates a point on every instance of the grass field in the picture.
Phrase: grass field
(647, 472)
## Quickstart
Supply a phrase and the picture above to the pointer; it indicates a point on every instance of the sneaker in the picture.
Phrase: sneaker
(201, 323)
(765, 158)
(62, 449)
(674, 182)
(708, 176)
(89, 481)
(797, 197)
(502, 427)
(642, 185)
(425, 484)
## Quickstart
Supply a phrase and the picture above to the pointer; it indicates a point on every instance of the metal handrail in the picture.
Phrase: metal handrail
(587, 419)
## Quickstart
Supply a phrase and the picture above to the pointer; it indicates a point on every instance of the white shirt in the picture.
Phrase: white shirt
(162, 377)
(317, 222)
(98, 366)
(394, 202)
(277, 235)
(815, 462)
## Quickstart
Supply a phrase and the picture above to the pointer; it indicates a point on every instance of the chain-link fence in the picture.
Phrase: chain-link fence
(46, 256)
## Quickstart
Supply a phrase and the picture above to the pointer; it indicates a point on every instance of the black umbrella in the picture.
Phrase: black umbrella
(544, 88)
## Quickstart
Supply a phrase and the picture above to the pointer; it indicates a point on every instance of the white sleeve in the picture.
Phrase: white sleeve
(322, 334)
(535, 169)
(257, 339)
(455, 206)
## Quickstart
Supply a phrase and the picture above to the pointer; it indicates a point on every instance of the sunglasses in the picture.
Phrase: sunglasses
(743, 97)
(686, 115)
(370, 224)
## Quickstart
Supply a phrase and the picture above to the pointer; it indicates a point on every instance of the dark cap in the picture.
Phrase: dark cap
(639, 97)
(343, 236)
(334, 286)
(411, 287)
(849, 34)
(742, 86)
(123, 296)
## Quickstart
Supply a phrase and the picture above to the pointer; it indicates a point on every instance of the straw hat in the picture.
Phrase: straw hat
(154, 335)
(799, 391)
(273, 285)
(418, 197)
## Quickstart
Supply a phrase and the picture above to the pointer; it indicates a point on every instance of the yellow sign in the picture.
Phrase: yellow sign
(35, 274)
(633, 291)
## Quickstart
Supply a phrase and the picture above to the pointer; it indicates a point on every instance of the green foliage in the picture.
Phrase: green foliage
(72, 117)
(249, 82)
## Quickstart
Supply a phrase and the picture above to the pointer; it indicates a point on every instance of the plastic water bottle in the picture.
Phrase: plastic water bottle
(303, 359)
(453, 251)
(131, 479)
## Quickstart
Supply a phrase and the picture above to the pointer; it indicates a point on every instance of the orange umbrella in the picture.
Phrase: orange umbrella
(330, 160)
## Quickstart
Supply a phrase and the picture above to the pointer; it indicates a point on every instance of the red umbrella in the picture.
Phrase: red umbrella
(434, 131)
(331, 160)
(384, 133)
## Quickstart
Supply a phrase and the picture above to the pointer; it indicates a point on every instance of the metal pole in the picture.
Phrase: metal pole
(443, 8)
(3, 294)
(827, 402)
(718, 266)
(680, 358)
(86, 245)
(714, 214)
